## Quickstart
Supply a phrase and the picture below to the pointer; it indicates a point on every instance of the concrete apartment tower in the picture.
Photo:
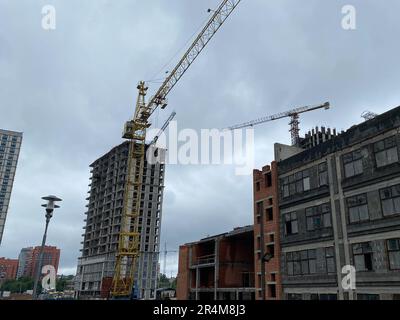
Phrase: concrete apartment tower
(24, 261)
(103, 222)
(10, 145)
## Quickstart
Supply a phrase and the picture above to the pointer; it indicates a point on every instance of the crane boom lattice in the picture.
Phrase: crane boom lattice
(294, 121)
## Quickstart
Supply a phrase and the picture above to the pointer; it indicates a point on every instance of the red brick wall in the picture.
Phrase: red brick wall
(262, 194)
(54, 260)
(235, 259)
(9, 267)
(182, 285)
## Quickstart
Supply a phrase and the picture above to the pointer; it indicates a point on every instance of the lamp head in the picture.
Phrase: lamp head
(267, 257)
(51, 202)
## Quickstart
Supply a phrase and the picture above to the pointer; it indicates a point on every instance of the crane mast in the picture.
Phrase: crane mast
(135, 131)
(294, 120)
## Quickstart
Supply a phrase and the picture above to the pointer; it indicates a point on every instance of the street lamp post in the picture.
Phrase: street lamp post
(50, 206)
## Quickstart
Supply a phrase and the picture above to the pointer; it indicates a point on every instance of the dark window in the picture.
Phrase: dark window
(323, 296)
(291, 224)
(271, 249)
(330, 260)
(358, 208)
(390, 200)
(323, 174)
(318, 217)
(294, 296)
(386, 152)
(365, 296)
(352, 163)
(268, 179)
(363, 255)
(296, 183)
(257, 186)
(328, 296)
(270, 214)
(301, 263)
(272, 290)
(259, 208)
(285, 187)
(393, 246)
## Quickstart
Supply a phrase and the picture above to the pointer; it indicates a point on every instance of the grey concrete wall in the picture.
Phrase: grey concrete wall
(343, 234)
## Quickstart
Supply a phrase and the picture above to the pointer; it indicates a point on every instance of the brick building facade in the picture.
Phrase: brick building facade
(266, 233)
(8, 269)
(220, 267)
(51, 256)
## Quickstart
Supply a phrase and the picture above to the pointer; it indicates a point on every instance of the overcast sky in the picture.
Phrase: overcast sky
(71, 90)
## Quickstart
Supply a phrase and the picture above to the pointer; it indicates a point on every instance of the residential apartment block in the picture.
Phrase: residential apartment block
(103, 222)
(10, 145)
(219, 267)
(8, 269)
(51, 256)
(339, 203)
(24, 262)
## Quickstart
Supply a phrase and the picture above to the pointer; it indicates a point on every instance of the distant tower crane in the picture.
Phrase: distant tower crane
(165, 258)
(135, 131)
(294, 120)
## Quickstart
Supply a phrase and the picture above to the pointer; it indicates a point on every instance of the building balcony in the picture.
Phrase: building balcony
(204, 260)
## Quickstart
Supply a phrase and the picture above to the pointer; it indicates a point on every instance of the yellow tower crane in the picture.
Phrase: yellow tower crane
(135, 132)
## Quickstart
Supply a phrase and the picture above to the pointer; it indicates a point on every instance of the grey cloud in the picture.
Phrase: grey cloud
(72, 89)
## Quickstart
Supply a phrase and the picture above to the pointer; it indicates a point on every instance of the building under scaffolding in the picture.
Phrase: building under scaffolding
(103, 221)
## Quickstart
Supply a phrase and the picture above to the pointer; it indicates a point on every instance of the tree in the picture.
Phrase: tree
(17, 286)
(163, 282)
(62, 282)
(173, 284)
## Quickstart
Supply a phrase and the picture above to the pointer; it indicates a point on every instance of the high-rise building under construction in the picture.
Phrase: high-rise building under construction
(103, 222)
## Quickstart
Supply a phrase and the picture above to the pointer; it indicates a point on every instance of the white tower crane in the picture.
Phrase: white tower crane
(294, 121)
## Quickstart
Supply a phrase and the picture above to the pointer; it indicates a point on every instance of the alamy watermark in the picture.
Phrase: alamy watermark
(49, 17)
(204, 147)
(349, 280)
(49, 280)
(349, 20)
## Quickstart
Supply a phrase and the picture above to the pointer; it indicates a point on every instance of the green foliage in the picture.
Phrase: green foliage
(173, 284)
(24, 283)
(16, 286)
(62, 281)
(165, 282)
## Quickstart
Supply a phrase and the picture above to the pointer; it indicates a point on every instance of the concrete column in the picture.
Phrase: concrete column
(216, 268)
(343, 217)
(335, 226)
(197, 283)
